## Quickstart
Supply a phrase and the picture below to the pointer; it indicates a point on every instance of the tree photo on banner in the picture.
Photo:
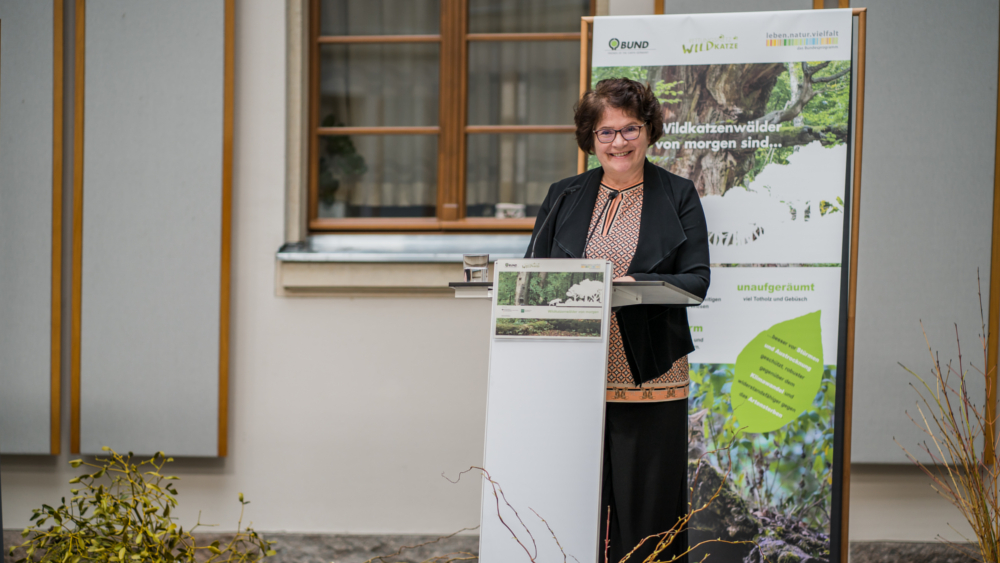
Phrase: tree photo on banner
(756, 114)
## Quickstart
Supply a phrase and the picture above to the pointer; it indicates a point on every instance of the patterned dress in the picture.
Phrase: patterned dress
(615, 239)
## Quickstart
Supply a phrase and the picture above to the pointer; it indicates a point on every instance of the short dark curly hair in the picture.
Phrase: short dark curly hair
(632, 97)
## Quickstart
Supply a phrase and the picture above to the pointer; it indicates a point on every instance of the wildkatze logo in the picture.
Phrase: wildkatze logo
(615, 44)
(714, 44)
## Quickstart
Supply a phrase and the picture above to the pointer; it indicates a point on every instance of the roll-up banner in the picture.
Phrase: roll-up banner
(756, 113)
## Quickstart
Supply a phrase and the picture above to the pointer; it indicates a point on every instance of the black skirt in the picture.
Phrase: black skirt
(644, 481)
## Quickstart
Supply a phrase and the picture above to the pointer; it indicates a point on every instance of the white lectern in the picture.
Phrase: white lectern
(545, 407)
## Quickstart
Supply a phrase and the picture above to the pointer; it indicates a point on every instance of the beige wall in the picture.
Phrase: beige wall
(896, 502)
(345, 411)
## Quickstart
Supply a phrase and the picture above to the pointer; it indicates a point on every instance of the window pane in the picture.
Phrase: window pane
(380, 17)
(378, 176)
(526, 16)
(379, 84)
(523, 83)
(515, 169)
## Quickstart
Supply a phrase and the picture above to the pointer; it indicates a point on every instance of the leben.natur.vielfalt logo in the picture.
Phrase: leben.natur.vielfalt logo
(713, 44)
(616, 45)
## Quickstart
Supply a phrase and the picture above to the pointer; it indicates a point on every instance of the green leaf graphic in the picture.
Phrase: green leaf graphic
(778, 374)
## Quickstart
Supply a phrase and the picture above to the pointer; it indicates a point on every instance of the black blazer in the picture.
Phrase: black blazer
(672, 247)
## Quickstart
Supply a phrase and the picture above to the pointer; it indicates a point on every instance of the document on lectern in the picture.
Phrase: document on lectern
(549, 299)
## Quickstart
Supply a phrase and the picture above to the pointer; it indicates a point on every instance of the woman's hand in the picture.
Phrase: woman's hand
(624, 278)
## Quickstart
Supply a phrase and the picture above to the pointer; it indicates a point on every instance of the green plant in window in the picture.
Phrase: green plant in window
(338, 161)
(120, 513)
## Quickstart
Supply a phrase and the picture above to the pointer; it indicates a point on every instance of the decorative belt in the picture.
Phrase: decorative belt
(646, 394)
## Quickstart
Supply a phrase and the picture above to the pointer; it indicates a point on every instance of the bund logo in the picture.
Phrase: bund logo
(615, 44)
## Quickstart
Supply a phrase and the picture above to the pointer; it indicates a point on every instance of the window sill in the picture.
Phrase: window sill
(384, 265)
(470, 224)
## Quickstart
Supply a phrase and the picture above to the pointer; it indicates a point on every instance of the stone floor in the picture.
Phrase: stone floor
(330, 548)
(334, 548)
(906, 552)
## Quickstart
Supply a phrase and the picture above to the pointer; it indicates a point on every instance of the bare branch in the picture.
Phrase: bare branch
(959, 469)
(830, 78)
(810, 70)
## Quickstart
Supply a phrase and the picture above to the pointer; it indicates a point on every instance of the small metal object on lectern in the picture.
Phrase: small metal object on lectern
(476, 267)
(510, 210)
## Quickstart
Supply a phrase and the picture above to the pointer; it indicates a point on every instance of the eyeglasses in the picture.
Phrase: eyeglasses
(629, 133)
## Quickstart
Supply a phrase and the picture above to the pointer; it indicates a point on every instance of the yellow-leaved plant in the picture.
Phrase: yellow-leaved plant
(120, 513)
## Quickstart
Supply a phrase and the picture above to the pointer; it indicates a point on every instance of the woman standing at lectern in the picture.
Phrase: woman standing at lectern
(649, 223)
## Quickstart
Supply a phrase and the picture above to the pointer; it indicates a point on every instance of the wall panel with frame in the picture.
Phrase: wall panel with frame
(928, 219)
(31, 66)
(152, 191)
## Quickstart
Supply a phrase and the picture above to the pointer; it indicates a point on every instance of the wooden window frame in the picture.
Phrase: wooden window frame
(451, 131)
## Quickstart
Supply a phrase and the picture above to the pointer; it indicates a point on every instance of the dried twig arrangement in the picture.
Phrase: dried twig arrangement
(524, 537)
(960, 469)
(666, 538)
(499, 497)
